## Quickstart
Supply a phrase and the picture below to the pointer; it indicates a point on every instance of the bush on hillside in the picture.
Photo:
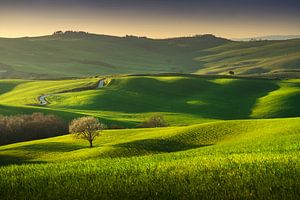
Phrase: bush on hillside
(29, 127)
(154, 121)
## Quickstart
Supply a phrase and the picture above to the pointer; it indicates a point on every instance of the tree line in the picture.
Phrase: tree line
(29, 127)
(38, 126)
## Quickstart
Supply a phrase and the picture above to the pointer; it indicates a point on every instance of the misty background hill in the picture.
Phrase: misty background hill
(74, 54)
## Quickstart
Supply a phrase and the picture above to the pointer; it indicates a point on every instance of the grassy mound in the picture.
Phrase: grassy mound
(238, 136)
(24, 92)
(253, 159)
(281, 102)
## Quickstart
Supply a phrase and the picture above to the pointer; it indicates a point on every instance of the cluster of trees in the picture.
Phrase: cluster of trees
(135, 37)
(71, 34)
(29, 127)
(37, 126)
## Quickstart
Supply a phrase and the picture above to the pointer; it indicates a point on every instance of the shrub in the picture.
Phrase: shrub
(154, 121)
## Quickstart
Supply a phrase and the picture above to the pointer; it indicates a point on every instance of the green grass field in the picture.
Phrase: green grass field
(89, 55)
(229, 138)
(239, 159)
(182, 100)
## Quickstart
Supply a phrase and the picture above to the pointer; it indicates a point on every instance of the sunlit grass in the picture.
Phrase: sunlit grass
(232, 159)
(127, 101)
(208, 152)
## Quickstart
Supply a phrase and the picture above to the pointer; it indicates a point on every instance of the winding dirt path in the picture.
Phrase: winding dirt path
(43, 98)
(101, 83)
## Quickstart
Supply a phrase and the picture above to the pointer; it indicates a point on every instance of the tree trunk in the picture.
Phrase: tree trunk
(91, 143)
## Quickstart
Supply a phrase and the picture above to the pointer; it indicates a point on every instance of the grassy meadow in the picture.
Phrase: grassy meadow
(238, 159)
(228, 138)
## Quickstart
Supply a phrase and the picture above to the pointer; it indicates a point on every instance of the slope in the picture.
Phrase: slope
(258, 58)
(75, 54)
(231, 159)
(182, 100)
(81, 54)
(225, 137)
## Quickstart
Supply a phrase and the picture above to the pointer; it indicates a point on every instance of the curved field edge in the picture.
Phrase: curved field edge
(243, 159)
(281, 102)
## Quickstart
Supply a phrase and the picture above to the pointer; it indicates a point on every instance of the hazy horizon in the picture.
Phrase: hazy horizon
(178, 36)
(154, 19)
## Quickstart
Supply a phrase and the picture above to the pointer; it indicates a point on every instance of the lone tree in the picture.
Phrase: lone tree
(231, 73)
(87, 128)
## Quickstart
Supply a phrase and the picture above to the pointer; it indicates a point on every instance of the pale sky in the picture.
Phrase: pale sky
(152, 18)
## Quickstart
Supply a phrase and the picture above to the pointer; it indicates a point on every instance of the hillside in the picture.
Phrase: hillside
(200, 161)
(81, 54)
(205, 139)
(221, 142)
(272, 58)
(128, 100)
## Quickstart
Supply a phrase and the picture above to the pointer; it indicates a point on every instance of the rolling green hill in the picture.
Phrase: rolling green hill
(80, 54)
(225, 137)
(229, 137)
(221, 142)
(129, 100)
(244, 159)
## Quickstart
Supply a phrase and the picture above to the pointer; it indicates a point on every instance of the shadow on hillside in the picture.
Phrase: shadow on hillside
(158, 146)
(50, 147)
(232, 100)
(7, 87)
(14, 160)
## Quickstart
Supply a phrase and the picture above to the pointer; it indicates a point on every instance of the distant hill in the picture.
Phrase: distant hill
(74, 54)
(270, 37)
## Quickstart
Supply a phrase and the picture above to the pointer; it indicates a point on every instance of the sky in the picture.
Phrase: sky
(151, 18)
